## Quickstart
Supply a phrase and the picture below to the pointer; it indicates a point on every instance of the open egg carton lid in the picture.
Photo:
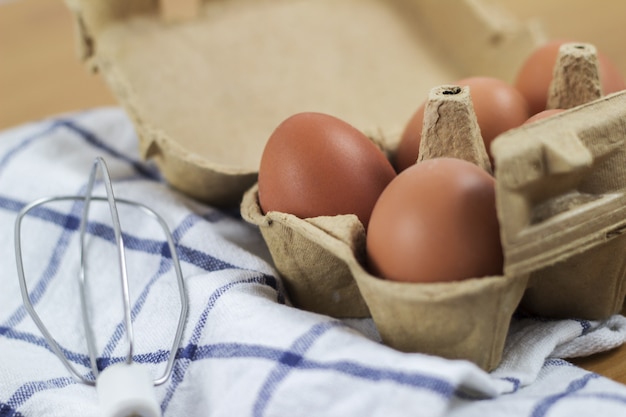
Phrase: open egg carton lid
(206, 82)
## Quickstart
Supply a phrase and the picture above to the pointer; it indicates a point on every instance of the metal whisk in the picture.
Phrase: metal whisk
(125, 388)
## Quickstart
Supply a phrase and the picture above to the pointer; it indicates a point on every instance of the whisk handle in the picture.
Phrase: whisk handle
(126, 390)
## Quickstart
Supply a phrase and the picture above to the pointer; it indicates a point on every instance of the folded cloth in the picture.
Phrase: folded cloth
(245, 350)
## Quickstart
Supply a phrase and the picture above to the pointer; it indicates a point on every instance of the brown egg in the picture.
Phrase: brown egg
(497, 104)
(543, 115)
(498, 107)
(409, 146)
(535, 75)
(436, 221)
(317, 165)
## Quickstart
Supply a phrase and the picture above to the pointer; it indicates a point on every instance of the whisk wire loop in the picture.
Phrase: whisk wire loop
(119, 241)
(100, 165)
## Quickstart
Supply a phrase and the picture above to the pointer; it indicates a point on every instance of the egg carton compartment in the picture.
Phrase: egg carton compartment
(206, 82)
(322, 262)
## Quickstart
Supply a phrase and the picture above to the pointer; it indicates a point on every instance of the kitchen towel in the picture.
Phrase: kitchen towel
(245, 350)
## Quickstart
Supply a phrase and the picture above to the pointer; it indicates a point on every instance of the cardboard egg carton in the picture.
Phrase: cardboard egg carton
(562, 208)
(206, 82)
(562, 213)
(323, 262)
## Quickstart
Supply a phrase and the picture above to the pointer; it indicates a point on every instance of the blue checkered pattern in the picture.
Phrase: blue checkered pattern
(245, 350)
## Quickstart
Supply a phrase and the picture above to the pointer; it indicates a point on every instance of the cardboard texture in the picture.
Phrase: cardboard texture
(205, 94)
(562, 208)
(456, 136)
(576, 77)
(206, 82)
(179, 10)
(315, 257)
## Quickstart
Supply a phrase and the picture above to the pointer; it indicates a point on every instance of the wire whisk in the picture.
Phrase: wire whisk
(124, 388)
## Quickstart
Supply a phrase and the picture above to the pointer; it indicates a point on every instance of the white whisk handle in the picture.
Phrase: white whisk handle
(127, 390)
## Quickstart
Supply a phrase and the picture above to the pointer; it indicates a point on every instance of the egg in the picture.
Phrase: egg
(409, 145)
(535, 75)
(543, 115)
(315, 164)
(498, 107)
(436, 222)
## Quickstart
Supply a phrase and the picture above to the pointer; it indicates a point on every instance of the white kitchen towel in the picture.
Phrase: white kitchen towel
(245, 350)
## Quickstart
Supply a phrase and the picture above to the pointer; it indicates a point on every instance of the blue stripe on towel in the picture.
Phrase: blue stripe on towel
(49, 273)
(27, 141)
(26, 391)
(585, 325)
(8, 411)
(574, 390)
(182, 364)
(93, 139)
(165, 265)
(120, 328)
(544, 406)
(417, 380)
(289, 360)
(620, 399)
(71, 223)
(144, 169)
(192, 352)
(11, 333)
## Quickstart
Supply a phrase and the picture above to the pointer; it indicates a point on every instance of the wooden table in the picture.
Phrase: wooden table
(40, 75)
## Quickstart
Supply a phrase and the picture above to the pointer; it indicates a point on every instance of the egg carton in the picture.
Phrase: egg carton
(560, 203)
(562, 209)
(206, 82)
(560, 200)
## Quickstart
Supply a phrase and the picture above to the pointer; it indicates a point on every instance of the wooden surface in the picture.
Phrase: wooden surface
(40, 73)
(611, 364)
(40, 76)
